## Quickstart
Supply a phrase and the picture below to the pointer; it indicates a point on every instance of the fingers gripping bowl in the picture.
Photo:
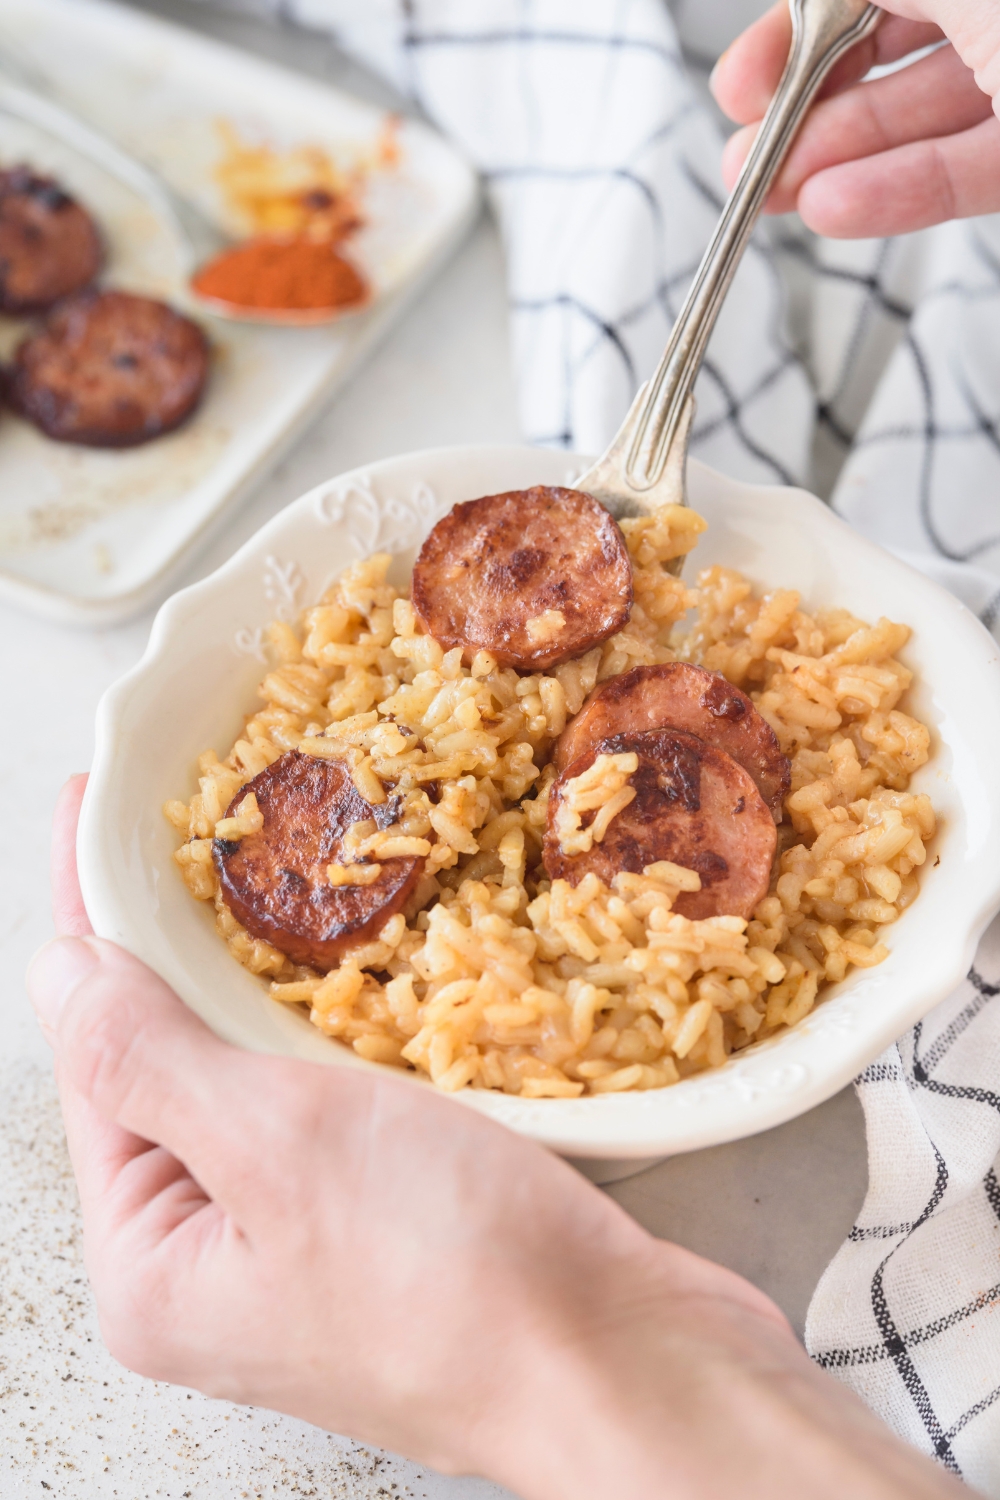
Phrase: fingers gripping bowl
(209, 652)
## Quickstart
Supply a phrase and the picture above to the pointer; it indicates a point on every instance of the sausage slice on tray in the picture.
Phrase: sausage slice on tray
(678, 695)
(693, 806)
(110, 370)
(49, 245)
(275, 881)
(533, 576)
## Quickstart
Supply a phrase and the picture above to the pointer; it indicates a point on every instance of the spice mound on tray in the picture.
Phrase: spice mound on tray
(295, 207)
(287, 274)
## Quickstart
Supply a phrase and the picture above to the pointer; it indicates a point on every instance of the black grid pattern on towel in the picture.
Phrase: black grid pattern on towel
(733, 407)
(948, 411)
(875, 300)
(903, 1346)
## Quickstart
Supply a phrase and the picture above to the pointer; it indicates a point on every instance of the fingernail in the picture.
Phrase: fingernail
(54, 973)
(715, 72)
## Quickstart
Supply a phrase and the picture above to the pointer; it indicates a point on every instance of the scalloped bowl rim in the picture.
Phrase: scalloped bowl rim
(124, 851)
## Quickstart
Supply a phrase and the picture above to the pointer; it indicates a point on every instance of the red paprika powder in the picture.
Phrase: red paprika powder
(282, 274)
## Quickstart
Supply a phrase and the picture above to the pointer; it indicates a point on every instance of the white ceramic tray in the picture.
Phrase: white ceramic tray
(90, 537)
(202, 667)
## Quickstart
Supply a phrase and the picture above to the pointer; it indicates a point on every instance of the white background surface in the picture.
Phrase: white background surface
(774, 1208)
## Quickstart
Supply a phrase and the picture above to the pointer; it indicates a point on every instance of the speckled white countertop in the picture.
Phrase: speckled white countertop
(72, 1422)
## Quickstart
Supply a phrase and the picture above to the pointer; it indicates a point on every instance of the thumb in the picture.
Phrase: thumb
(127, 1046)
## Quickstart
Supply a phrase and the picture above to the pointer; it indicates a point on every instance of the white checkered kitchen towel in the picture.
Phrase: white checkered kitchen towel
(869, 371)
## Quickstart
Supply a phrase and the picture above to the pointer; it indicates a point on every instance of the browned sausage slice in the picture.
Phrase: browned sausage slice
(49, 245)
(693, 806)
(275, 881)
(678, 695)
(110, 370)
(533, 576)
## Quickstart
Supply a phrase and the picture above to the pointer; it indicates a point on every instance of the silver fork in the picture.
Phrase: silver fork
(643, 466)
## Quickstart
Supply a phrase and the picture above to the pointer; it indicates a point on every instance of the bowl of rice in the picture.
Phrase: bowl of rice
(590, 1014)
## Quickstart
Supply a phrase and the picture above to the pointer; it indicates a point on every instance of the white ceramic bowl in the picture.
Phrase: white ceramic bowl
(199, 675)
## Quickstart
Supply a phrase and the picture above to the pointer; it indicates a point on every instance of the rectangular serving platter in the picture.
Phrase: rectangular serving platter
(90, 537)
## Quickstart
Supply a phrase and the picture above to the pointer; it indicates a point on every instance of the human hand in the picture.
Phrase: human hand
(355, 1250)
(885, 157)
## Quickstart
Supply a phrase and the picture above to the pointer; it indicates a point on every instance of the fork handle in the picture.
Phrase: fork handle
(822, 31)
